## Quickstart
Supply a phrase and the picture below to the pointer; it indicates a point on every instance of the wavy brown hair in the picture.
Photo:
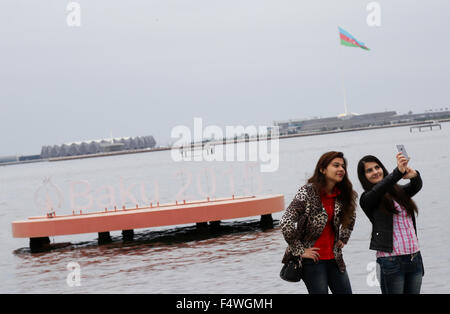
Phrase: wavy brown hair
(347, 197)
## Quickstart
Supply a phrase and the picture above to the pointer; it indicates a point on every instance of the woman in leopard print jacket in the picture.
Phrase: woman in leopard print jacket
(318, 223)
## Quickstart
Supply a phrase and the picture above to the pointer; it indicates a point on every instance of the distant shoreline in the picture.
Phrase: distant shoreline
(221, 142)
(396, 125)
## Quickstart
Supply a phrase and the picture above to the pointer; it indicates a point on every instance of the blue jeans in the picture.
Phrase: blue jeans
(318, 276)
(401, 274)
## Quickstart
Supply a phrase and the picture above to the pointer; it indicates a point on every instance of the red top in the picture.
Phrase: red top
(326, 240)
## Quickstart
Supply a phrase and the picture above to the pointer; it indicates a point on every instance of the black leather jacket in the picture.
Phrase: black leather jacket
(382, 220)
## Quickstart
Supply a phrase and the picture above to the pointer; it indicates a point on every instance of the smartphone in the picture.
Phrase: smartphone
(401, 149)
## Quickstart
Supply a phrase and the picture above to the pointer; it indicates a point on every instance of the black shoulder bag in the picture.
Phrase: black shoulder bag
(291, 271)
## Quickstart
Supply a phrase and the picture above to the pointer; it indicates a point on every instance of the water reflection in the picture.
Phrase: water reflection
(150, 254)
(227, 239)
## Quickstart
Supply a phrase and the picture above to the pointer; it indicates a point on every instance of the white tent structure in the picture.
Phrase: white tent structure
(97, 146)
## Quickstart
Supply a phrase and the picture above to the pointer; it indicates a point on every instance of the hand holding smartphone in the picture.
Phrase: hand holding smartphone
(401, 149)
(402, 159)
(409, 173)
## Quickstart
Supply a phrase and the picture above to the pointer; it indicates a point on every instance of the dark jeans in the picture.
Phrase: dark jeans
(401, 274)
(318, 276)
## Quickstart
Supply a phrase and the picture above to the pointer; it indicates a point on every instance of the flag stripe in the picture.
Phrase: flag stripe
(352, 41)
(343, 31)
(346, 43)
(349, 40)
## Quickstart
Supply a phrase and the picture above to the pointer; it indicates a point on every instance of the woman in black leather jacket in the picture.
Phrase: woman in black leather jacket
(391, 211)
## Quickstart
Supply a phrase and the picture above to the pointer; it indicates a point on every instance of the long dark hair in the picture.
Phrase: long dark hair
(395, 193)
(347, 196)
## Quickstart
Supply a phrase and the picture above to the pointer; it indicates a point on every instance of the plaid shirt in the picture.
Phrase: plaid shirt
(404, 235)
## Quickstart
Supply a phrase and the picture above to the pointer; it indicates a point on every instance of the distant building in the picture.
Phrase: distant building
(354, 121)
(97, 146)
(4, 159)
(18, 159)
(29, 157)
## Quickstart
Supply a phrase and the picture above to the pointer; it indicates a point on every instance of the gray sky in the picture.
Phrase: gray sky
(138, 68)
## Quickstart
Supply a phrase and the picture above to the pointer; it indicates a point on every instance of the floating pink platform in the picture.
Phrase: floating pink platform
(146, 217)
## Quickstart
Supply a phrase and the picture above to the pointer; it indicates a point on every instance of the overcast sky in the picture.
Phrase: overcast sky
(138, 68)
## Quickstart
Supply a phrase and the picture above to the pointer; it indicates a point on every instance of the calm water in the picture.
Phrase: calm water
(241, 258)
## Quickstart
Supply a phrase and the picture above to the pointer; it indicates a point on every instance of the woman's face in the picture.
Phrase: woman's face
(373, 171)
(335, 171)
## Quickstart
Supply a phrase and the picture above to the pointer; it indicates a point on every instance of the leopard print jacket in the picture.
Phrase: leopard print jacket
(304, 220)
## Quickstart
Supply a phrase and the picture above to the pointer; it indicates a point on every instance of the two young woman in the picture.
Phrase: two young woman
(319, 221)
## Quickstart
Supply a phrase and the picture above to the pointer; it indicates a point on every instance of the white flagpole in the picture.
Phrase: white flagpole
(346, 112)
(345, 94)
